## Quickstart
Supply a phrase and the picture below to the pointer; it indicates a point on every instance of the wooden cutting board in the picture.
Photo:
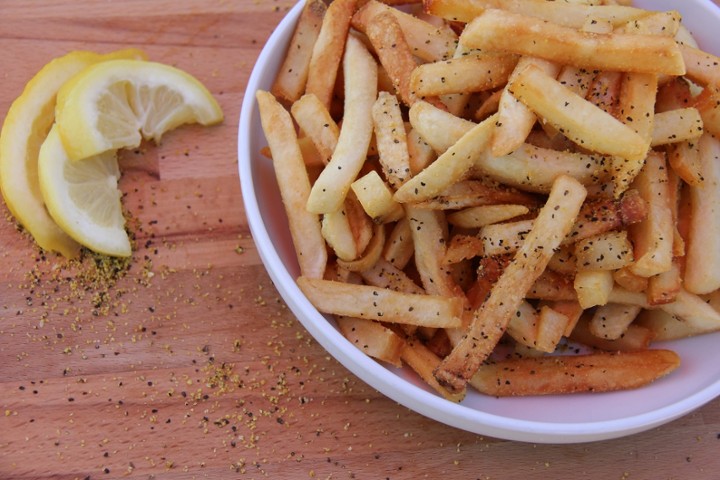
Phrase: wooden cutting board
(190, 365)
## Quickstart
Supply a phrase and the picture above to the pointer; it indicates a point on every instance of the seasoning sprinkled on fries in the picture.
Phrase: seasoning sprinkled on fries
(511, 196)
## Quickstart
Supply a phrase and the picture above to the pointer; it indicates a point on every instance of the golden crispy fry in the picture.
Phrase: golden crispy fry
(598, 372)
(315, 121)
(465, 74)
(668, 327)
(569, 14)
(610, 321)
(684, 158)
(702, 67)
(423, 361)
(708, 104)
(462, 247)
(664, 287)
(476, 217)
(593, 287)
(372, 338)
(677, 126)
(471, 193)
(702, 261)
(329, 190)
(634, 338)
(427, 41)
(579, 120)
(437, 127)
(391, 139)
(450, 167)
(653, 237)
(376, 198)
(328, 50)
(294, 185)
(605, 251)
(551, 328)
(370, 255)
(490, 320)
(523, 325)
(375, 303)
(385, 275)
(420, 153)
(525, 35)
(291, 78)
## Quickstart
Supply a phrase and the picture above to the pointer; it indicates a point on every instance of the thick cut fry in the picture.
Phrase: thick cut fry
(534, 169)
(569, 14)
(708, 104)
(523, 325)
(465, 74)
(606, 251)
(394, 53)
(684, 158)
(291, 78)
(664, 287)
(391, 139)
(702, 260)
(362, 301)
(598, 372)
(427, 41)
(315, 121)
(490, 320)
(634, 338)
(610, 321)
(399, 246)
(524, 35)
(328, 50)
(294, 184)
(376, 198)
(702, 67)
(347, 231)
(551, 328)
(385, 275)
(593, 287)
(360, 73)
(450, 167)
(437, 127)
(423, 362)
(370, 255)
(419, 152)
(576, 118)
(675, 126)
(653, 237)
(373, 339)
(667, 327)
(605, 91)
(476, 217)
(515, 120)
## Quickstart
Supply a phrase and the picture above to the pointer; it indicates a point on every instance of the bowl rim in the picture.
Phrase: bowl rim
(375, 374)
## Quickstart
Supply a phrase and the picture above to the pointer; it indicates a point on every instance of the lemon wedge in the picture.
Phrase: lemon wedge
(112, 105)
(83, 197)
(27, 123)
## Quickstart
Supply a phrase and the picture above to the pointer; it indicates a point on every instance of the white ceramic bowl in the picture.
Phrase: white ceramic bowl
(551, 419)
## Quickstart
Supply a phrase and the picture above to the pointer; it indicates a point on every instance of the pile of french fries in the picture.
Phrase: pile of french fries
(516, 195)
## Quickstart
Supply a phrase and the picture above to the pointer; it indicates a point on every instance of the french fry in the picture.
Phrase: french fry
(362, 301)
(391, 139)
(399, 245)
(634, 338)
(372, 338)
(465, 74)
(568, 14)
(604, 91)
(420, 154)
(553, 286)
(675, 126)
(653, 237)
(386, 275)
(427, 41)
(702, 262)
(472, 193)
(668, 327)
(476, 217)
(440, 129)
(490, 320)
(328, 50)
(523, 325)
(702, 67)
(551, 328)
(347, 231)
(462, 247)
(376, 198)
(593, 287)
(579, 120)
(423, 361)
(292, 76)
(315, 121)
(684, 158)
(708, 104)
(605, 251)
(331, 187)
(370, 255)
(294, 185)
(664, 287)
(525, 35)
(515, 120)
(630, 281)
(450, 167)
(611, 320)
(598, 372)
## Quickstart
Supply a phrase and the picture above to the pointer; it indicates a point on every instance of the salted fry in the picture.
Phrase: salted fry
(551, 328)
(424, 361)
(634, 338)
(490, 320)
(329, 190)
(471, 193)
(702, 261)
(465, 74)
(702, 67)
(294, 185)
(292, 75)
(328, 50)
(399, 245)
(525, 35)
(315, 121)
(363, 301)
(372, 338)
(598, 372)
(579, 120)
(450, 167)
(476, 217)
(440, 129)
(675, 126)
(391, 139)
(708, 104)
(610, 321)
(605, 251)
(593, 287)
(523, 325)
(376, 198)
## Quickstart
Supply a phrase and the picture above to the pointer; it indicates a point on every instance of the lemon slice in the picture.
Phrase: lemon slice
(112, 105)
(27, 123)
(83, 197)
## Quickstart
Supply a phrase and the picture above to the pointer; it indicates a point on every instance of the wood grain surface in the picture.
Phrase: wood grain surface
(190, 366)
